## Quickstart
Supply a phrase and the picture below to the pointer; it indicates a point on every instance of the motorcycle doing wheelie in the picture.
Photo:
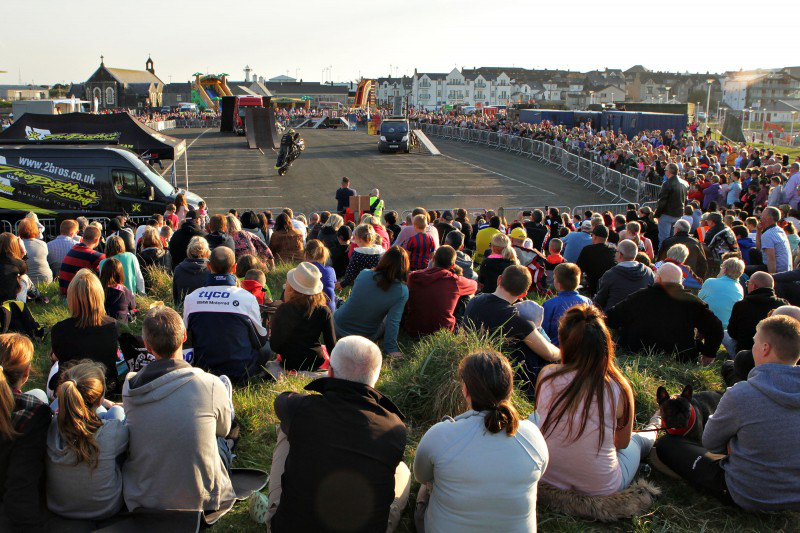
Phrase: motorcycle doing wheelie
(289, 152)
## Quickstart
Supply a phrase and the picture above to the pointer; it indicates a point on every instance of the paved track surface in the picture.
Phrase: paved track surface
(229, 175)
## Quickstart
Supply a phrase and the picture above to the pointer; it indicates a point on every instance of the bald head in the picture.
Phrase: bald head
(222, 260)
(761, 280)
(788, 310)
(669, 273)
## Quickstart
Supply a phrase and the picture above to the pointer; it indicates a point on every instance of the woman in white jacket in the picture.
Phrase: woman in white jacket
(481, 469)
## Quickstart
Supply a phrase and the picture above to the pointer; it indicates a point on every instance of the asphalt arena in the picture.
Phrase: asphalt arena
(229, 175)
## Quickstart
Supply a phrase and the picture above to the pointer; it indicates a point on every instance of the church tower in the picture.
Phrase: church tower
(149, 66)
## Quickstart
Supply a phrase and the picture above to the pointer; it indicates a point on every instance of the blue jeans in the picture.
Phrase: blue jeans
(665, 223)
(225, 453)
(629, 457)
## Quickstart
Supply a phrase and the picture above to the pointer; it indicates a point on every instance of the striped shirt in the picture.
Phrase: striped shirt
(420, 249)
(80, 256)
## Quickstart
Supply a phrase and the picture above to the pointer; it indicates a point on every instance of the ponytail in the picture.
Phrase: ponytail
(500, 417)
(16, 354)
(489, 380)
(7, 431)
(83, 387)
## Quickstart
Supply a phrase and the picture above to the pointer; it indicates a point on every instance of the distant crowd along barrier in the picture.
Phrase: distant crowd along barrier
(623, 188)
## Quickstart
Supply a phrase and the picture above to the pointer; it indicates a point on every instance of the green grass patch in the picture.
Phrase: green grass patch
(425, 387)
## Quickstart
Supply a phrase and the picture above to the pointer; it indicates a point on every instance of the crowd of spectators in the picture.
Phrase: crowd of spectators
(682, 280)
(699, 155)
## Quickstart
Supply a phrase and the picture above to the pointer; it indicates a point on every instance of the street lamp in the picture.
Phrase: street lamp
(697, 112)
(749, 116)
(668, 88)
(708, 100)
(791, 130)
(591, 97)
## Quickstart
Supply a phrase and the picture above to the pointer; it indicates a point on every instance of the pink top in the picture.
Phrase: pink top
(577, 464)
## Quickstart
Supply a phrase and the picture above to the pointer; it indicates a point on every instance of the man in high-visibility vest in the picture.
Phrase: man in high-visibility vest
(375, 203)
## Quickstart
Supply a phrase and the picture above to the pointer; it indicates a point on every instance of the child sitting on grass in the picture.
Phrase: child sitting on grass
(567, 279)
(553, 259)
(83, 448)
(120, 302)
(255, 282)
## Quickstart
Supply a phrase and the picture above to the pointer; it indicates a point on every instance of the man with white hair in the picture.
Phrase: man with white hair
(627, 277)
(697, 256)
(664, 318)
(338, 464)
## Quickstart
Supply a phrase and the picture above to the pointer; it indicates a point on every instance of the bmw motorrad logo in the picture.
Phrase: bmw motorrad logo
(236, 303)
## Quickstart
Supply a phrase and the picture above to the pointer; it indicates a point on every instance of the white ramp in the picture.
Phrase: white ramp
(424, 142)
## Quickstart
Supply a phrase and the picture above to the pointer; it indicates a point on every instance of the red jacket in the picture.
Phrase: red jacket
(432, 297)
(254, 288)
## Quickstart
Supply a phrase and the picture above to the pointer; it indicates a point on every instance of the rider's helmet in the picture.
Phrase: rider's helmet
(291, 132)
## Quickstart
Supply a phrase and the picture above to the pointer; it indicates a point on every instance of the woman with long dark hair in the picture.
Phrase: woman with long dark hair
(585, 409)
(481, 469)
(376, 302)
(153, 256)
(286, 242)
(12, 268)
(181, 208)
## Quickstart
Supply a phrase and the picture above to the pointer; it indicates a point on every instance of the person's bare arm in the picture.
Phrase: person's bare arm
(624, 430)
(542, 347)
(769, 255)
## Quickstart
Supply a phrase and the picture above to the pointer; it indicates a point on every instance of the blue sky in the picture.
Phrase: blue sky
(49, 42)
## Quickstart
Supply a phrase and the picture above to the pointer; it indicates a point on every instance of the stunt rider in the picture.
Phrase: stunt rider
(287, 143)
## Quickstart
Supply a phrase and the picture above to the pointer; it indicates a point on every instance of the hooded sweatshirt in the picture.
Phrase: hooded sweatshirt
(76, 490)
(432, 297)
(190, 275)
(758, 420)
(621, 281)
(175, 414)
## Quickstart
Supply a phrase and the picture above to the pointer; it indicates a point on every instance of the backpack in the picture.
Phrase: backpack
(15, 317)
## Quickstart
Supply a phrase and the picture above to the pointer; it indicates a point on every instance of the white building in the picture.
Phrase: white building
(470, 87)
(387, 89)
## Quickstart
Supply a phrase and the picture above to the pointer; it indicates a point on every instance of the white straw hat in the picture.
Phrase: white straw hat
(305, 279)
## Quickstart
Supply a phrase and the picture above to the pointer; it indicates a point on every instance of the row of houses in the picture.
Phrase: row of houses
(485, 86)
(488, 86)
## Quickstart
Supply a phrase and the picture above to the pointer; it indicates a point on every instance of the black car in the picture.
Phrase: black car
(394, 135)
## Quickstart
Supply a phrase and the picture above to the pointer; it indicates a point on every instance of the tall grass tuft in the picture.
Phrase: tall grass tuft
(159, 284)
(276, 278)
(425, 386)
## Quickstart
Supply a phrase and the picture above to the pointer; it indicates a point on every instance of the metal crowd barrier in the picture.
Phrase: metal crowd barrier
(197, 123)
(161, 125)
(104, 221)
(50, 226)
(7, 227)
(622, 186)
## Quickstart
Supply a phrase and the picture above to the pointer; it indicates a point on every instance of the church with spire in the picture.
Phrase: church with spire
(117, 88)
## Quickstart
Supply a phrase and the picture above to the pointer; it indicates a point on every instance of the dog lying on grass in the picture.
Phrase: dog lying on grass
(686, 414)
